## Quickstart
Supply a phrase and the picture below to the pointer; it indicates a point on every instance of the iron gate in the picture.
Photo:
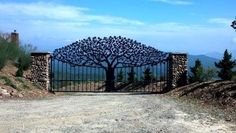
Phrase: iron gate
(75, 78)
(109, 64)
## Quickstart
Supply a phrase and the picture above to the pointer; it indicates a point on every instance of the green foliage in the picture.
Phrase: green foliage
(19, 72)
(147, 75)
(131, 75)
(11, 51)
(120, 76)
(226, 65)
(24, 56)
(209, 74)
(8, 51)
(196, 72)
(8, 82)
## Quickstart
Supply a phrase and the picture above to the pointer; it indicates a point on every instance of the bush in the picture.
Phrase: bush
(8, 82)
(19, 72)
(24, 59)
(11, 51)
(8, 51)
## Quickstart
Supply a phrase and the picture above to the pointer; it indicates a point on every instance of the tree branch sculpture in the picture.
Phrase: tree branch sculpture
(108, 53)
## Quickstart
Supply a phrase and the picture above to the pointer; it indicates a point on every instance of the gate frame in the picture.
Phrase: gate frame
(40, 70)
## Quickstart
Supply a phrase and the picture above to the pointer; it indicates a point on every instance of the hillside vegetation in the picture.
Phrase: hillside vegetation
(18, 87)
(14, 64)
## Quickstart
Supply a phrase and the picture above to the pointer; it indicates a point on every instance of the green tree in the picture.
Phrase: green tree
(120, 76)
(131, 75)
(196, 72)
(226, 65)
(209, 74)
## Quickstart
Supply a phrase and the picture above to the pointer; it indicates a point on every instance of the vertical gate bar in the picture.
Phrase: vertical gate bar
(167, 78)
(164, 71)
(78, 78)
(51, 77)
(94, 74)
(62, 74)
(70, 79)
(82, 80)
(86, 78)
(74, 79)
(66, 77)
(161, 76)
(157, 77)
(152, 82)
(58, 74)
(104, 76)
(99, 79)
(141, 79)
(90, 78)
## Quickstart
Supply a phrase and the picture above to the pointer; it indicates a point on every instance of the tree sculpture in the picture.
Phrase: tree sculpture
(108, 53)
(233, 25)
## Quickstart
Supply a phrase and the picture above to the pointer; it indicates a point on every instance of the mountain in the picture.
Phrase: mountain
(219, 55)
(205, 60)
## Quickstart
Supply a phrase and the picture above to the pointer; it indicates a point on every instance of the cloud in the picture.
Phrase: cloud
(175, 2)
(223, 21)
(42, 11)
(234, 40)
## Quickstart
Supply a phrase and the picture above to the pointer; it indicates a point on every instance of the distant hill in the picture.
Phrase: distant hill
(205, 60)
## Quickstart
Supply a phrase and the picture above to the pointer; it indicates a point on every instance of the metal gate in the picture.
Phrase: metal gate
(66, 77)
(109, 64)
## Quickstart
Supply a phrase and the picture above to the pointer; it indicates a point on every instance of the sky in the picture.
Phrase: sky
(189, 26)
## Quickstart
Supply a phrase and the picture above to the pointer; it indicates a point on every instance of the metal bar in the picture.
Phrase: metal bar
(82, 81)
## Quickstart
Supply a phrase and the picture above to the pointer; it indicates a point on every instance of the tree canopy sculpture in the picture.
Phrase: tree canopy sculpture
(233, 25)
(108, 53)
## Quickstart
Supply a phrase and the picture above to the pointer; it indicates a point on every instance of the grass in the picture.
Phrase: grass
(8, 82)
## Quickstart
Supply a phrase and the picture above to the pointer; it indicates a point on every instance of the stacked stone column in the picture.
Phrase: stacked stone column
(177, 74)
(40, 69)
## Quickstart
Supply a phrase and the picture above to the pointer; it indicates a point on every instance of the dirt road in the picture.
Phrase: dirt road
(108, 113)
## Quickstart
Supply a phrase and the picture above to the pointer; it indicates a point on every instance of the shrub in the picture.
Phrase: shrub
(19, 72)
(8, 82)
(8, 51)
(24, 56)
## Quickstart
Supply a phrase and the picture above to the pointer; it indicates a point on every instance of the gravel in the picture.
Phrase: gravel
(108, 113)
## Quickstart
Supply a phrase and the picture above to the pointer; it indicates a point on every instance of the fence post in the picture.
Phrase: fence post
(39, 70)
(178, 70)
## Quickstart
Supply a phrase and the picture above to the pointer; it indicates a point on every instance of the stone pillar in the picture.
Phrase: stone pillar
(15, 37)
(40, 69)
(178, 70)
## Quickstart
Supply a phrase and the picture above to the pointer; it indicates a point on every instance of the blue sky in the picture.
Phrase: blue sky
(192, 26)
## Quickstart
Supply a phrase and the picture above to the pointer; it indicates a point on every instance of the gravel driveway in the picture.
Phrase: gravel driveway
(108, 113)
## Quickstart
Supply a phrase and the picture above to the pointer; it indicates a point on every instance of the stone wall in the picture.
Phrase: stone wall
(178, 75)
(39, 70)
